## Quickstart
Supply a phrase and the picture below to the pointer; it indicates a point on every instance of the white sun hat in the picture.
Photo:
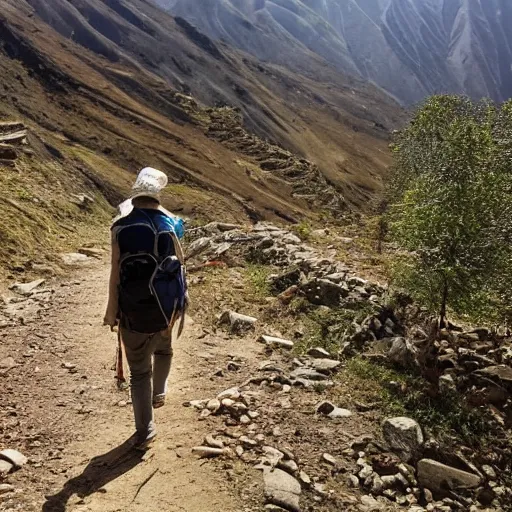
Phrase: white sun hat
(150, 183)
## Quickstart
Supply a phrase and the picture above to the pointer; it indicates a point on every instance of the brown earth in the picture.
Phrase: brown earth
(61, 408)
(103, 88)
(72, 423)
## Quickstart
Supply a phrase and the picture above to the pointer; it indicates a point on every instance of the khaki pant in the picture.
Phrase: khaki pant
(149, 357)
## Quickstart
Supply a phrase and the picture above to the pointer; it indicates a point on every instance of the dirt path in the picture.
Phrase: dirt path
(71, 421)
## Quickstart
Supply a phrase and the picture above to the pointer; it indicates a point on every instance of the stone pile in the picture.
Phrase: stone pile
(13, 135)
(403, 470)
(398, 471)
(319, 278)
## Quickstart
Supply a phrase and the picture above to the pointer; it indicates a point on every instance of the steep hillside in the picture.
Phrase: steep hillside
(104, 87)
(411, 48)
(326, 121)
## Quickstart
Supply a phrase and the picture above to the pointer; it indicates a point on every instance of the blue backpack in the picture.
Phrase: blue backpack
(152, 285)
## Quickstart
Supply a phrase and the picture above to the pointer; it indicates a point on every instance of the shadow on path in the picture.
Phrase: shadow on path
(100, 471)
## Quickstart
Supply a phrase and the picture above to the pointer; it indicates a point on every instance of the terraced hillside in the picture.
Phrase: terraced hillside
(105, 87)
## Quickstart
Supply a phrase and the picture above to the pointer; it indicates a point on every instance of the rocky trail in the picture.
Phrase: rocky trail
(256, 418)
(61, 408)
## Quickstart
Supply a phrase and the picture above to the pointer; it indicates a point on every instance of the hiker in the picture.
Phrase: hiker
(147, 294)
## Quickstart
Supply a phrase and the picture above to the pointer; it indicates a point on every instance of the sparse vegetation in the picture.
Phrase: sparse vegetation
(303, 229)
(325, 327)
(448, 416)
(257, 276)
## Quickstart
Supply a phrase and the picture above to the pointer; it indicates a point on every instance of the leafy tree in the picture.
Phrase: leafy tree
(451, 207)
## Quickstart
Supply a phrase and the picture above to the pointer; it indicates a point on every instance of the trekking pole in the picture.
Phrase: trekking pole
(121, 380)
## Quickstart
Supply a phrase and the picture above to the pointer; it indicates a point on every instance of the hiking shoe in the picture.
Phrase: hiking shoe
(141, 442)
(158, 401)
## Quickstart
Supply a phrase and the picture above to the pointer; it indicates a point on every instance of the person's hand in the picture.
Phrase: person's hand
(110, 319)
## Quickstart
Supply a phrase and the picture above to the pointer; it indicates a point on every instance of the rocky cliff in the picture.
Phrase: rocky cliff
(411, 48)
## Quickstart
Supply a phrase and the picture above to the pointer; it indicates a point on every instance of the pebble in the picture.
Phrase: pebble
(238, 323)
(403, 435)
(248, 441)
(213, 443)
(213, 405)
(72, 259)
(245, 420)
(353, 481)
(272, 455)
(232, 393)
(205, 413)
(5, 467)
(16, 458)
(290, 466)
(206, 452)
(274, 508)
(196, 404)
(325, 407)
(338, 412)
(489, 472)
(5, 488)
(26, 288)
(304, 478)
(277, 342)
(325, 365)
(327, 457)
(365, 472)
(370, 504)
(319, 353)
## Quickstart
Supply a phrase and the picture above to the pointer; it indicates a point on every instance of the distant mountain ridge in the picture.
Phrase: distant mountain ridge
(411, 48)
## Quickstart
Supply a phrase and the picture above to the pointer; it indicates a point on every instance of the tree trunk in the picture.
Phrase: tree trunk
(442, 313)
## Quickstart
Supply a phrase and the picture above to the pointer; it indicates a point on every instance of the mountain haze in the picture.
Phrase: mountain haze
(411, 48)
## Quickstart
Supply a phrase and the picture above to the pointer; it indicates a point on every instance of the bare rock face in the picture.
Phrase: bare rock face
(410, 48)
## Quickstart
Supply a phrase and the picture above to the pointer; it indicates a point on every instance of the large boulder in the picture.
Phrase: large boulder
(501, 374)
(282, 489)
(403, 353)
(404, 436)
(323, 292)
(282, 282)
(440, 478)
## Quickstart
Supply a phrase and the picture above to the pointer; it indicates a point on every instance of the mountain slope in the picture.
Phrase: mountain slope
(104, 89)
(411, 48)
